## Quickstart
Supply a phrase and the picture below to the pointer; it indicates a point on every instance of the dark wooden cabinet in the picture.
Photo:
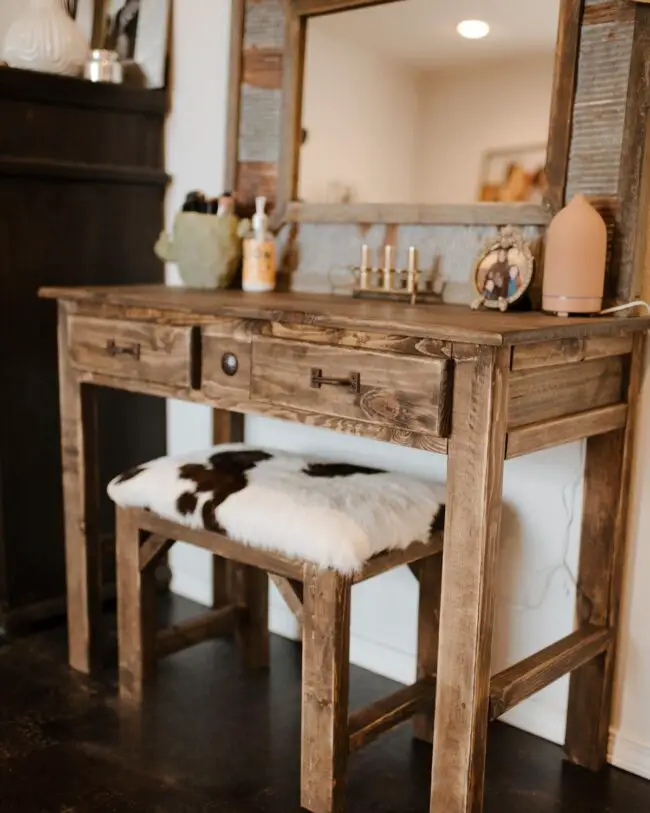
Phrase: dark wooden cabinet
(82, 186)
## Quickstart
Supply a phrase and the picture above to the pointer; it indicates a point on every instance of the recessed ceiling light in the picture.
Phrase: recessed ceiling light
(473, 29)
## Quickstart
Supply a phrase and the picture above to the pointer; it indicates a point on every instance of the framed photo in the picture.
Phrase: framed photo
(137, 29)
(503, 271)
(513, 175)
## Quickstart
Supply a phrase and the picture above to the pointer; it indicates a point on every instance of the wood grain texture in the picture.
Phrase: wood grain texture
(402, 345)
(312, 8)
(510, 687)
(628, 249)
(389, 434)
(263, 69)
(238, 11)
(552, 392)
(396, 214)
(405, 393)
(370, 722)
(80, 486)
(227, 427)
(430, 578)
(226, 338)
(546, 434)
(131, 349)
(562, 99)
(415, 552)
(447, 323)
(153, 549)
(222, 546)
(252, 620)
(567, 351)
(608, 472)
(474, 491)
(325, 680)
(599, 109)
(295, 38)
(195, 630)
(135, 609)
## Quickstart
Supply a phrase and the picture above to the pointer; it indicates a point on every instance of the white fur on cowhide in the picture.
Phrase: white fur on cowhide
(336, 515)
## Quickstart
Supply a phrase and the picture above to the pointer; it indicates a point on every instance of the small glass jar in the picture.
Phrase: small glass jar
(104, 66)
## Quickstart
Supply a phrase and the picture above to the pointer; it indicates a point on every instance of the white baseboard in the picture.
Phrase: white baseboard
(629, 755)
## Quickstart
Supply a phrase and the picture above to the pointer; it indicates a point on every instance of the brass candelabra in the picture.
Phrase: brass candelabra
(410, 283)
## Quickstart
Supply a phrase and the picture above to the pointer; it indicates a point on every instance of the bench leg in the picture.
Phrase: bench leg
(430, 576)
(325, 679)
(250, 589)
(136, 597)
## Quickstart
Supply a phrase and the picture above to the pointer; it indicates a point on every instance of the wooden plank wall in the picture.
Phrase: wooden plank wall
(605, 157)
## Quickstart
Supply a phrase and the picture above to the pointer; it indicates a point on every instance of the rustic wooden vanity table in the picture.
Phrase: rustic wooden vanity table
(478, 387)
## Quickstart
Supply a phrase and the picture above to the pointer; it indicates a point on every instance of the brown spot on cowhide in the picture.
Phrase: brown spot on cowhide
(186, 503)
(438, 522)
(129, 474)
(338, 470)
(224, 475)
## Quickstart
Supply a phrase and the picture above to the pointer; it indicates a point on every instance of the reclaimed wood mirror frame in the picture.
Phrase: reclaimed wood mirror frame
(289, 210)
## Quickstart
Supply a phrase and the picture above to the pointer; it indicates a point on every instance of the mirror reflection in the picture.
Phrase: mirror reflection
(428, 102)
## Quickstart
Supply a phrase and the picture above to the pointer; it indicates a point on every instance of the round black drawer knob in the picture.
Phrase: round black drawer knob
(229, 363)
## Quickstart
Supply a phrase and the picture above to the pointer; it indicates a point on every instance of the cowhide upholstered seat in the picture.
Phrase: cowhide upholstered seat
(317, 527)
(329, 513)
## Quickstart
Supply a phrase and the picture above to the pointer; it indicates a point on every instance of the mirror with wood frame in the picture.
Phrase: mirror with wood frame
(426, 111)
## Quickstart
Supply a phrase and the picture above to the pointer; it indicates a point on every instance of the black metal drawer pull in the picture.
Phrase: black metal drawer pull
(353, 381)
(115, 350)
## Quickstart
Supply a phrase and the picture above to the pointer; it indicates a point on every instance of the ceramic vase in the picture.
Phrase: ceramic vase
(575, 260)
(46, 39)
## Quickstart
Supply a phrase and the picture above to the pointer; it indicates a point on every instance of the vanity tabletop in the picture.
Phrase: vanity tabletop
(455, 323)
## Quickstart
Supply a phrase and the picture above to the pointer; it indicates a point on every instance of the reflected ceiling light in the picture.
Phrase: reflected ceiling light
(473, 29)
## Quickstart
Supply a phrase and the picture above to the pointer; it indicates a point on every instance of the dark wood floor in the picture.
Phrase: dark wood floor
(213, 737)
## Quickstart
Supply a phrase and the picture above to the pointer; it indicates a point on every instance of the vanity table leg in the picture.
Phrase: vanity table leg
(80, 501)
(473, 514)
(608, 471)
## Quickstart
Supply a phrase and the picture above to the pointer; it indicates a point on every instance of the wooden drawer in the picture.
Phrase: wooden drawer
(226, 354)
(403, 392)
(138, 350)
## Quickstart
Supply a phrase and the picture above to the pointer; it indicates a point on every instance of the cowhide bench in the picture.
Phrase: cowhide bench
(319, 528)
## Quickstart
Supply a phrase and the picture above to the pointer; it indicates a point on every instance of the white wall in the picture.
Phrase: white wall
(361, 114)
(468, 110)
(631, 743)
(542, 492)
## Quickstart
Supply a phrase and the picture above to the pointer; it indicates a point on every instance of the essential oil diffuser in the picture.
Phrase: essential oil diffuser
(576, 256)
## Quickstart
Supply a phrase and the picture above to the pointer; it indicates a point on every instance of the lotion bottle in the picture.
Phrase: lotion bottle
(259, 253)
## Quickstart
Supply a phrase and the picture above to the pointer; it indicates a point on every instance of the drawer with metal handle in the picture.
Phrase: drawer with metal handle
(405, 392)
(142, 351)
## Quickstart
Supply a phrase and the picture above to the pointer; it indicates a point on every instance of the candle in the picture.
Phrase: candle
(412, 269)
(365, 264)
(389, 254)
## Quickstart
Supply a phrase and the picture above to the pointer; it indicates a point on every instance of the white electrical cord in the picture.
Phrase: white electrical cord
(638, 303)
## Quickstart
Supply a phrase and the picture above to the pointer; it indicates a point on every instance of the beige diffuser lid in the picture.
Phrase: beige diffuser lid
(575, 260)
